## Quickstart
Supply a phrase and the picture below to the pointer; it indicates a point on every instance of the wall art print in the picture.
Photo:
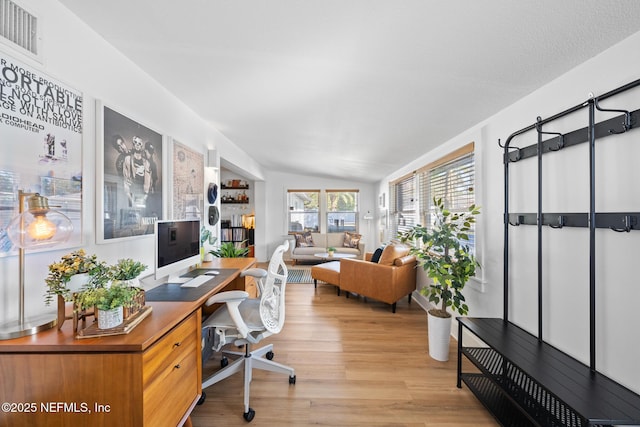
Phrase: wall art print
(41, 143)
(129, 177)
(188, 182)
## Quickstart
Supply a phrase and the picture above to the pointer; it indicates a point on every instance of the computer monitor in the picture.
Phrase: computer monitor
(177, 246)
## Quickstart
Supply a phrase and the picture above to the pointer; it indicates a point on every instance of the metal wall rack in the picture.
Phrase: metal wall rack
(523, 380)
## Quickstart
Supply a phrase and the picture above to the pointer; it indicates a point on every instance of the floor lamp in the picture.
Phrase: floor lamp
(37, 227)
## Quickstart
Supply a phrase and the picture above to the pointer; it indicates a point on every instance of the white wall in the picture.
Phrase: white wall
(75, 55)
(275, 216)
(565, 185)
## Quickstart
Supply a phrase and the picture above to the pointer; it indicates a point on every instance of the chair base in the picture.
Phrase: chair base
(248, 361)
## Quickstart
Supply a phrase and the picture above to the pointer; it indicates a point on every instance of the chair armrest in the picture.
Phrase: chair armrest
(408, 259)
(233, 299)
(227, 296)
(361, 249)
(257, 273)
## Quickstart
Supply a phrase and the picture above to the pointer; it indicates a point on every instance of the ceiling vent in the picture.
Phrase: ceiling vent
(19, 27)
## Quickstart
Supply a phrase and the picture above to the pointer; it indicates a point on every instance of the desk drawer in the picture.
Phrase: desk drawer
(168, 398)
(170, 374)
(166, 352)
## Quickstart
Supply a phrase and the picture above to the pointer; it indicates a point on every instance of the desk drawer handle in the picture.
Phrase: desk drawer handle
(177, 344)
(177, 366)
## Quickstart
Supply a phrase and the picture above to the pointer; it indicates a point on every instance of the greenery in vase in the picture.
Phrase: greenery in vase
(127, 269)
(331, 249)
(106, 298)
(76, 262)
(444, 254)
(230, 250)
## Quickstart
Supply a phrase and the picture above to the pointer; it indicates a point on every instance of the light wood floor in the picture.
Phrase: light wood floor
(357, 364)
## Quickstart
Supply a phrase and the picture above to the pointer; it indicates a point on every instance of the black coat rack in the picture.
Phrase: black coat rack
(616, 221)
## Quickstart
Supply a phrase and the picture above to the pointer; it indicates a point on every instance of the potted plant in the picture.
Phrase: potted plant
(331, 250)
(109, 302)
(72, 272)
(126, 271)
(444, 253)
(230, 250)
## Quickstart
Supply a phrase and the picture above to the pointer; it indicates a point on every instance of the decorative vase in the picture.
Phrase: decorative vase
(330, 254)
(439, 330)
(108, 319)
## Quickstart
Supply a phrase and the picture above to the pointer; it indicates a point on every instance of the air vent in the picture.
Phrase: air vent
(19, 26)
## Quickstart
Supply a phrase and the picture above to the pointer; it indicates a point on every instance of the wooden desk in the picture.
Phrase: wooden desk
(149, 377)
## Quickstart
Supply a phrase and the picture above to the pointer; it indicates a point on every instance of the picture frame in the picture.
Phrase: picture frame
(187, 189)
(42, 140)
(129, 176)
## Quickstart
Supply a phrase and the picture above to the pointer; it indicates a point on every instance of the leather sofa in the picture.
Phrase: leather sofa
(319, 242)
(387, 281)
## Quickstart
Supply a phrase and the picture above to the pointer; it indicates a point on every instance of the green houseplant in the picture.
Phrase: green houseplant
(230, 250)
(444, 253)
(110, 302)
(127, 270)
(61, 274)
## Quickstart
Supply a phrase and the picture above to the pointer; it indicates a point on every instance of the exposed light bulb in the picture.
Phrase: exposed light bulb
(41, 228)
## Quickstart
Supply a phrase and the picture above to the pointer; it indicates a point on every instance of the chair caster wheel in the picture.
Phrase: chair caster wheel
(224, 362)
(292, 380)
(202, 398)
(248, 416)
(269, 355)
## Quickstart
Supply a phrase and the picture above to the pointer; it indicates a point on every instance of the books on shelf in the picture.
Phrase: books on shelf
(235, 234)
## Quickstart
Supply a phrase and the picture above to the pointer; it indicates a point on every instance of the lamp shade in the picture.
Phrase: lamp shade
(39, 227)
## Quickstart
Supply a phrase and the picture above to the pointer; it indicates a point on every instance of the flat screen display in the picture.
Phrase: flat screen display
(177, 246)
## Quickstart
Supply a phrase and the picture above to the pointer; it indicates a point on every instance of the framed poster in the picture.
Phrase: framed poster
(188, 182)
(129, 177)
(41, 142)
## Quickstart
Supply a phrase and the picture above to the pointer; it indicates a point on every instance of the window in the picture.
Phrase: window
(452, 179)
(342, 210)
(404, 206)
(304, 210)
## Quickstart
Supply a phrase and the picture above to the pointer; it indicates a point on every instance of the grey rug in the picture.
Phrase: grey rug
(299, 275)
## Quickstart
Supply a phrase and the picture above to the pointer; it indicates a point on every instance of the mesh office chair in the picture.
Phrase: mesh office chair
(246, 321)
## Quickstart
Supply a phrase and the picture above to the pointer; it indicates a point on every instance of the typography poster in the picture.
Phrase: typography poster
(41, 143)
(131, 184)
(188, 182)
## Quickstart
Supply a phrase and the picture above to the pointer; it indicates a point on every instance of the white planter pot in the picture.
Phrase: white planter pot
(132, 283)
(439, 330)
(108, 319)
(77, 281)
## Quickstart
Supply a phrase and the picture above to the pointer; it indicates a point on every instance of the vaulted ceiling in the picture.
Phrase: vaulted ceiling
(354, 88)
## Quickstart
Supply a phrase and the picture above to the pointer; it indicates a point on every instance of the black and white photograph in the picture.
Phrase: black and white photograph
(132, 178)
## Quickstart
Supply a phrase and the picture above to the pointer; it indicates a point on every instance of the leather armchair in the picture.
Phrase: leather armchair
(386, 283)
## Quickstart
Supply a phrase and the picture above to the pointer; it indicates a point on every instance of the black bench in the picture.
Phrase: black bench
(525, 382)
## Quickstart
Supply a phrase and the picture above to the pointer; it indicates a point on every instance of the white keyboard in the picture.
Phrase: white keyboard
(196, 281)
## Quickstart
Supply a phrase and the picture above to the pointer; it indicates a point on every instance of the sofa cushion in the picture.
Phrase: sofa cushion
(351, 240)
(304, 240)
(391, 252)
(309, 250)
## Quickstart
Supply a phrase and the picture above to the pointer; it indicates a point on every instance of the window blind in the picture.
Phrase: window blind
(452, 182)
(404, 204)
